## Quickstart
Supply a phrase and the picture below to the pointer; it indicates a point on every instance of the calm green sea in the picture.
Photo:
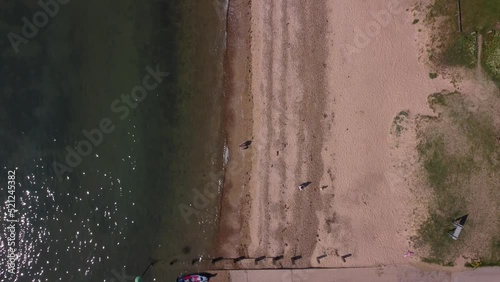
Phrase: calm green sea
(110, 115)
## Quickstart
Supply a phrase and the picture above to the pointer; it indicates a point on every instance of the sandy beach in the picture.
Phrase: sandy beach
(316, 86)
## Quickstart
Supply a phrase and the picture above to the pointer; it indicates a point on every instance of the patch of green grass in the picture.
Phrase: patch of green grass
(434, 164)
(485, 264)
(433, 233)
(397, 126)
(443, 169)
(480, 131)
(437, 261)
(462, 51)
(479, 15)
(494, 257)
(441, 8)
(403, 114)
(433, 75)
(439, 99)
(459, 49)
(448, 171)
(489, 263)
(444, 172)
(491, 56)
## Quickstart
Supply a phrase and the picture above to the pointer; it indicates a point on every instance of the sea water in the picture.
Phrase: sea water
(110, 116)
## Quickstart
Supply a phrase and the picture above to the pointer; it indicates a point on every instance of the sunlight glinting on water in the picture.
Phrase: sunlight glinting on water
(38, 210)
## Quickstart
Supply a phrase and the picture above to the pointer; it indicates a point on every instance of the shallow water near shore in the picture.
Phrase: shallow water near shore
(117, 210)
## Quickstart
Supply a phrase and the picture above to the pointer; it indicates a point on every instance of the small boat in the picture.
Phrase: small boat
(198, 277)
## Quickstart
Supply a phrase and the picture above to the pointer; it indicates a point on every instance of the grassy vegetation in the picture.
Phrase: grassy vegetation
(436, 261)
(479, 15)
(493, 259)
(462, 51)
(481, 133)
(448, 172)
(439, 99)
(444, 174)
(459, 49)
(397, 124)
(491, 56)
(449, 167)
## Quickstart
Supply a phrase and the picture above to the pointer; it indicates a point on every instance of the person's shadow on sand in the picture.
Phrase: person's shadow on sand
(302, 186)
(245, 144)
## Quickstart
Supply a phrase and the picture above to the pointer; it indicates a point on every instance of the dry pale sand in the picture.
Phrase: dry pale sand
(316, 85)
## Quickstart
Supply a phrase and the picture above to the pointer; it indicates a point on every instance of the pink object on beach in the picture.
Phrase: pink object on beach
(409, 253)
